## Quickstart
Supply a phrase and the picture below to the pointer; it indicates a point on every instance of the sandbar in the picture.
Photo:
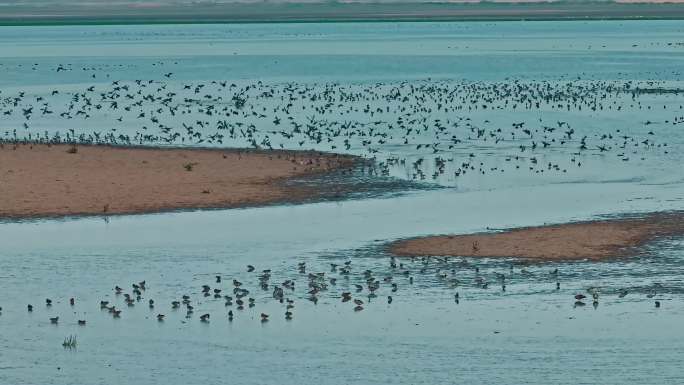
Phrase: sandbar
(39, 180)
(593, 240)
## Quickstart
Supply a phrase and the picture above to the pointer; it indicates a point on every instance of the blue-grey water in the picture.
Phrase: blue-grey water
(585, 76)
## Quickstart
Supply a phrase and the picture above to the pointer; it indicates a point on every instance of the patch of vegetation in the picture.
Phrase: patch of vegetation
(69, 342)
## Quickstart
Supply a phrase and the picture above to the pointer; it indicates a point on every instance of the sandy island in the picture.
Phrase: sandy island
(43, 181)
(593, 240)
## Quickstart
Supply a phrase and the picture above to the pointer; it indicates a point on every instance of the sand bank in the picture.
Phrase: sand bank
(41, 180)
(594, 240)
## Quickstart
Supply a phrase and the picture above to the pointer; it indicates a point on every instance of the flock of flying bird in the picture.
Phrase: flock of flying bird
(421, 130)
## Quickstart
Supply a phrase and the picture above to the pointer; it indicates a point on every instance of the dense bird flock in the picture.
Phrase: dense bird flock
(428, 130)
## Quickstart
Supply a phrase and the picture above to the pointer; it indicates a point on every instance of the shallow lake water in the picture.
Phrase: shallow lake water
(531, 332)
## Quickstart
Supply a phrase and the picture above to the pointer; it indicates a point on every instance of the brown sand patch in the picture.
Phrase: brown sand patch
(41, 180)
(583, 240)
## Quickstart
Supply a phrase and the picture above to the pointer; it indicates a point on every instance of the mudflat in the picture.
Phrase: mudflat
(62, 180)
(594, 240)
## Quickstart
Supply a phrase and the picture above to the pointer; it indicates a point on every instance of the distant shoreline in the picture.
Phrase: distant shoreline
(243, 13)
